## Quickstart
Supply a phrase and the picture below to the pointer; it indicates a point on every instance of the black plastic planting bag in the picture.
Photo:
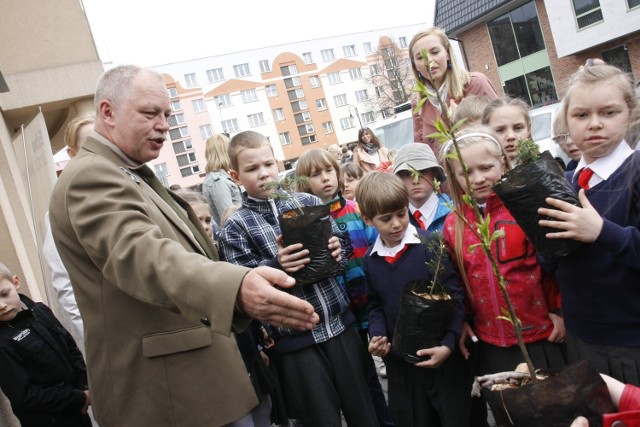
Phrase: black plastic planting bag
(524, 189)
(311, 226)
(554, 402)
(422, 321)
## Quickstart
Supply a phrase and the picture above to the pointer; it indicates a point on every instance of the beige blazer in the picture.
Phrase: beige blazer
(158, 315)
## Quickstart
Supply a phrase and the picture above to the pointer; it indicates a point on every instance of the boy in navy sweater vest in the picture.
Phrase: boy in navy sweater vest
(435, 391)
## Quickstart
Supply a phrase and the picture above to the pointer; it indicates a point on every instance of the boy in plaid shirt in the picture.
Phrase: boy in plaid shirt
(322, 370)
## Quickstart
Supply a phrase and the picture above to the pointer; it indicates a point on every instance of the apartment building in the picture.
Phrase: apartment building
(530, 48)
(301, 95)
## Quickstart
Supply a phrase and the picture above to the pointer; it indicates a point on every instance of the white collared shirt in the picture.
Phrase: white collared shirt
(410, 238)
(428, 209)
(604, 166)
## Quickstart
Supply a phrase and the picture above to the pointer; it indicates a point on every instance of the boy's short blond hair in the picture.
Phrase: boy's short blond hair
(380, 193)
(470, 108)
(5, 273)
(242, 141)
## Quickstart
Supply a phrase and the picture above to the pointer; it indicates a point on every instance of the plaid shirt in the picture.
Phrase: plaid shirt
(248, 238)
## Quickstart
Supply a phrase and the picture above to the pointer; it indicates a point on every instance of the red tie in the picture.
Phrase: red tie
(392, 259)
(584, 178)
(418, 216)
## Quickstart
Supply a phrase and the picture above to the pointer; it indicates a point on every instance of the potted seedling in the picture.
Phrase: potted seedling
(524, 189)
(525, 397)
(425, 307)
(309, 225)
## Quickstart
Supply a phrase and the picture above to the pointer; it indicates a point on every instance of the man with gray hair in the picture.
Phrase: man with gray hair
(160, 311)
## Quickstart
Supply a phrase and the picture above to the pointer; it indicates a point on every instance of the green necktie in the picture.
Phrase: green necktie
(150, 178)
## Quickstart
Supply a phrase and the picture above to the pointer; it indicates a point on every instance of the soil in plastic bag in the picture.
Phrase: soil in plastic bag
(556, 401)
(524, 189)
(311, 226)
(422, 322)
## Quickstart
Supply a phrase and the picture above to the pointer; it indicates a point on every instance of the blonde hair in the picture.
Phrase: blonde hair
(559, 124)
(456, 76)
(506, 101)
(71, 132)
(192, 197)
(228, 212)
(468, 137)
(598, 73)
(351, 170)
(312, 160)
(380, 193)
(242, 141)
(5, 273)
(470, 108)
(217, 154)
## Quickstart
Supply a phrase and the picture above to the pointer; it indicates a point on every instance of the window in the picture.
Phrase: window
(340, 100)
(182, 146)
(315, 81)
(403, 42)
(215, 75)
(249, 95)
(355, 73)
(619, 57)
(223, 100)
(346, 123)
(328, 127)
(292, 81)
(321, 104)
(299, 105)
(278, 114)
(271, 90)
(536, 88)
(191, 170)
(307, 58)
(173, 92)
(361, 95)
(305, 129)
(367, 47)
(285, 138)
(185, 159)
(308, 139)
(368, 118)
(198, 105)
(295, 94)
(176, 119)
(379, 91)
(265, 66)
(289, 70)
(587, 12)
(255, 119)
(633, 3)
(334, 78)
(349, 50)
(205, 131)
(302, 117)
(230, 125)
(178, 133)
(241, 70)
(374, 69)
(516, 34)
(176, 106)
(190, 80)
(162, 172)
(327, 55)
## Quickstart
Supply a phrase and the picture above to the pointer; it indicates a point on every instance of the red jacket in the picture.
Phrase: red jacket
(628, 410)
(532, 293)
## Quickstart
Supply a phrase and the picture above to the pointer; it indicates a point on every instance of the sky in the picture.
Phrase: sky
(156, 32)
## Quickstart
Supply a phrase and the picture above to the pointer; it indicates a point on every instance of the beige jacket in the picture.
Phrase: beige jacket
(158, 314)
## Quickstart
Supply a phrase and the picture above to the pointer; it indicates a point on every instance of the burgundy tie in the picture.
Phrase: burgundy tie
(584, 177)
(418, 216)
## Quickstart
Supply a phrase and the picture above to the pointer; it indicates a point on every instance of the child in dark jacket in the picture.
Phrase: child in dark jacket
(43, 373)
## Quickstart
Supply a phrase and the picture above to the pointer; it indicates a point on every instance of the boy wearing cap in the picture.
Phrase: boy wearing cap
(417, 166)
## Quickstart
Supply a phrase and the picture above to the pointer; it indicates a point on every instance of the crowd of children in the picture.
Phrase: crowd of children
(580, 306)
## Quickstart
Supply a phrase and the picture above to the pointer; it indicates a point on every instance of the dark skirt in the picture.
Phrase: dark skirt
(544, 355)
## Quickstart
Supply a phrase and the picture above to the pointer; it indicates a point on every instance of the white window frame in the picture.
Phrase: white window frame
(285, 138)
(256, 119)
(248, 96)
(215, 75)
(184, 131)
(328, 128)
(307, 57)
(205, 131)
(190, 80)
(242, 70)
(278, 114)
(349, 50)
(198, 105)
(402, 42)
(230, 125)
(340, 100)
(176, 105)
(223, 100)
(362, 95)
(327, 55)
(265, 66)
(173, 92)
(271, 90)
(368, 117)
(315, 81)
(347, 123)
(321, 104)
(374, 69)
(355, 73)
(180, 118)
(289, 70)
(334, 78)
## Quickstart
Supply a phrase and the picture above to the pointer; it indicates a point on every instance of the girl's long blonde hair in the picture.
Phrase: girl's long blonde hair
(457, 77)
(468, 137)
(217, 153)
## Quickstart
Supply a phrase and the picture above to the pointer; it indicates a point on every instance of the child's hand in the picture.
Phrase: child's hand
(335, 248)
(293, 257)
(579, 223)
(466, 333)
(378, 346)
(265, 358)
(87, 402)
(438, 356)
(559, 333)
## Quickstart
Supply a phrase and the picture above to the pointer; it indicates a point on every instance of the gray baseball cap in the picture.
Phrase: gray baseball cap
(417, 156)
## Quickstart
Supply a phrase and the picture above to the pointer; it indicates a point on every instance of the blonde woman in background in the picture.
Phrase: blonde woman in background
(218, 187)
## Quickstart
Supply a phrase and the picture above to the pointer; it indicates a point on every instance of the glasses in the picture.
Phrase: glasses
(562, 139)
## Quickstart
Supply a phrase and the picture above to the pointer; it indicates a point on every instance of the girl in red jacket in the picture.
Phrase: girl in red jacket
(533, 294)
